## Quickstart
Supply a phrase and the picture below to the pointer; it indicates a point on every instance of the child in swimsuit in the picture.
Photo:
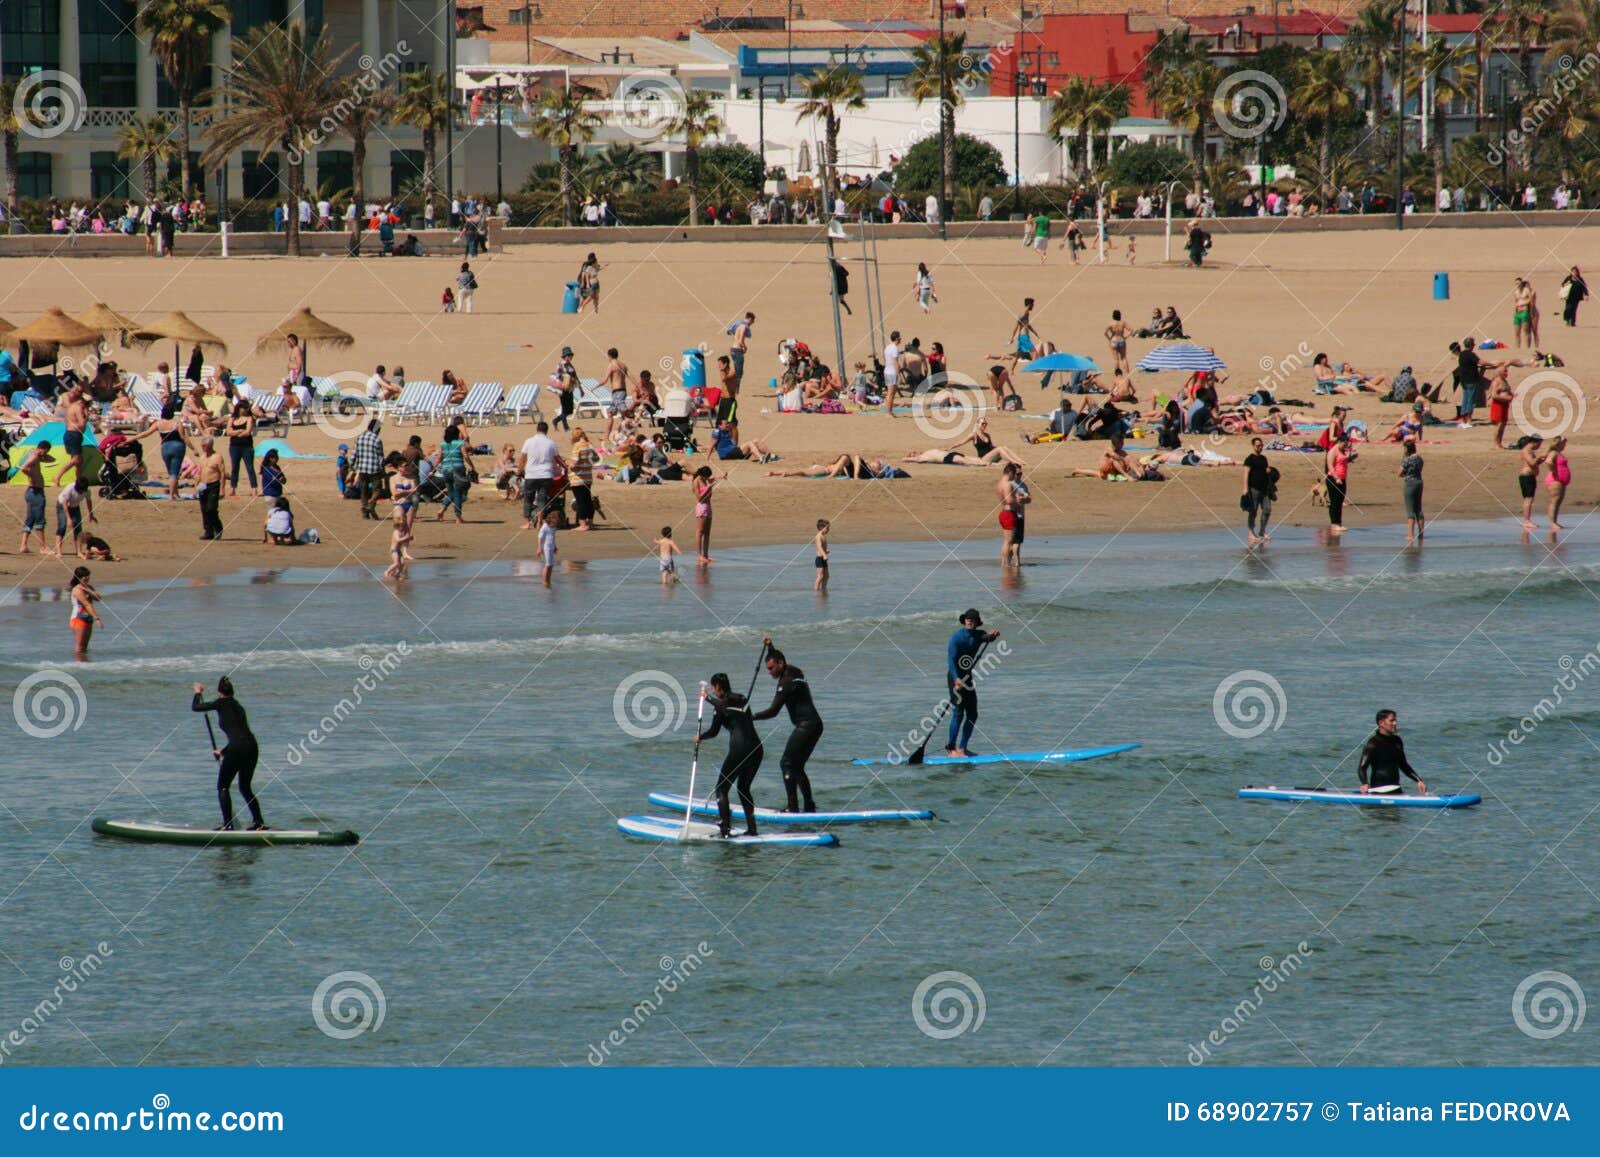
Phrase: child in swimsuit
(547, 544)
(667, 548)
(403, 493)
(821, 543)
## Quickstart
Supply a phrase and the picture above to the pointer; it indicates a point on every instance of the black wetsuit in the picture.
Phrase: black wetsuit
(238, 757)
(794, 694)
(1382, 761)
(743, 759)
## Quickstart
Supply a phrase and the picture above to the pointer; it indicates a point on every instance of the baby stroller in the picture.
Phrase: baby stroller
(123, 466)
(678, 434)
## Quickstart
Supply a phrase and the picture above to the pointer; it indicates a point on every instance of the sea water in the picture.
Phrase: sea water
(483, 735)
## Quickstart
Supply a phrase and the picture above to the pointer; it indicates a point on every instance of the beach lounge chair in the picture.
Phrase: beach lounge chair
(523, 400)
(426, 402)
(37, 408)
(269, 409)
(148, 401)
(590, 401)
(481, 402)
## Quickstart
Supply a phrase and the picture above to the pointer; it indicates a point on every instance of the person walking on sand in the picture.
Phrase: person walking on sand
(589, 283)
(1573, 290)
(1411, 489)
(466, 286)
(1531, 459)
(210, 480)
(1117, 334)
(924, 287)
(1041, 235)
(84, 617)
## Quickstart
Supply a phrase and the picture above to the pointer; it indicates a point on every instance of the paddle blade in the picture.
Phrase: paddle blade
(919, 754)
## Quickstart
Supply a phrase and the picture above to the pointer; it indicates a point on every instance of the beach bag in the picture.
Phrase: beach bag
(830, 406)
(1011, 402)
(671, 472)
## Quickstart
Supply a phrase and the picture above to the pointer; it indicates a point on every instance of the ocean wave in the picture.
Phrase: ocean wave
(1493, 583)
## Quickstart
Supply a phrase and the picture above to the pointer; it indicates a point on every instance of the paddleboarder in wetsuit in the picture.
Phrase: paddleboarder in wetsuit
(795, 694)
(961, 655)
(238, 758)
(731, 710)
(1384, 758)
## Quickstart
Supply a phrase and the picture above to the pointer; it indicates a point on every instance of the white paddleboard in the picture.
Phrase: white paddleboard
(673, 801)
(670, 831)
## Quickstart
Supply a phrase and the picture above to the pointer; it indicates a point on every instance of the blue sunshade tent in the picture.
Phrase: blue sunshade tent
(1182, 355)
(1051, 363)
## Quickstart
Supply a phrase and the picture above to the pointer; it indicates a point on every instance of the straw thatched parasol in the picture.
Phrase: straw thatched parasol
(103, 319)
(5, 327)
(178, 327)
(54, 327)
(309, 328)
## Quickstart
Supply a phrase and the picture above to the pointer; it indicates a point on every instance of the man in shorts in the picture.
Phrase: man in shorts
(77, 414)
(1532, 457)
(741, 344)
(1041, 235)
(32, 469)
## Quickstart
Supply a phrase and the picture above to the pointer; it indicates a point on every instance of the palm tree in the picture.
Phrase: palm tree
(10, 130)
(1369, 48)
(1111, 103)
(180, 34)
(1452, 71)
(1524, 23)
(939, 71)
(562, 120)
(1173, 55)
(366, 106)
(1189, 102)
(827, 94)
(625, 168)
(279, 90)
(1226, 180)
(147, 140)
(427, 102)
(1069, 113)
(1321, 92)
(696, 123)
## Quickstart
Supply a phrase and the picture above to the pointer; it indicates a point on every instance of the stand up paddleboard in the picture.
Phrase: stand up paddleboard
(673, 831)
(1072, 755)
(153, 833)
(1356, 798)
(766, 815)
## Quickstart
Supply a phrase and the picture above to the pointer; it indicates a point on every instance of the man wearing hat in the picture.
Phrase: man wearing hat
(961, 679)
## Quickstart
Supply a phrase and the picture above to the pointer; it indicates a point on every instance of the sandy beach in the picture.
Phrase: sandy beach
(1265, 304)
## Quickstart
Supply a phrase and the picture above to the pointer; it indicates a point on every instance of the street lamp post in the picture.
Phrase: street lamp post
(944, 142)
(1400, 133)
(499, 158)
(1505, 154)
(761, 123)
(450, 124)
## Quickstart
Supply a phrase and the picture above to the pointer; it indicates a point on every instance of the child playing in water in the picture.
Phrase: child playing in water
(398, 541)
(821, 543)
(667, 548)
(547, 543)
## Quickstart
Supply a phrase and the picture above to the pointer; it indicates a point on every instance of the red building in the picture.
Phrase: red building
(1107, 49)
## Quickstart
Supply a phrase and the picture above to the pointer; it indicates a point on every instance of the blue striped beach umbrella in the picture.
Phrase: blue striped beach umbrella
(1180, 355)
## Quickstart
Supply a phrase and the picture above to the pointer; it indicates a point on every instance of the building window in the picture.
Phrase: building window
(174, 174)
(336, 173)
(31, 33)
(260, 177)
(33, 175)
(108, 176)
(109, 53)
(405, 172)
(248, 14)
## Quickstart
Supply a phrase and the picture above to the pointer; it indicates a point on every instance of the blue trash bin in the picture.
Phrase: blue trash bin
(1441, 287)
(693, 369)
(569, 303)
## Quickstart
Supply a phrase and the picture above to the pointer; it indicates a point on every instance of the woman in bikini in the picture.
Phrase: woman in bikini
(988, 452)
(1557, 480)
(704, 484)
(84, 616)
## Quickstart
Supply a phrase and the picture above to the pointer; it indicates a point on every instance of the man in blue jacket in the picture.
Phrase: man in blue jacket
(961, 657)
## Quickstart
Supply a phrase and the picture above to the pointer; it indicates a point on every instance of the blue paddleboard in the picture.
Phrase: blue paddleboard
(670, 830)
(766, 815)
(1072, 755)
(1356, 798)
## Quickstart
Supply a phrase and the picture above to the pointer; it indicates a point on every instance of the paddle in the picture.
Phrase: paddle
(756, 674)
(213, 736)
(921, 753)
(694, 768)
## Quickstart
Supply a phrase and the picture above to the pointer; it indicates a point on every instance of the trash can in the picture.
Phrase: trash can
(1441, 287)
(569, 303)
(693, 369)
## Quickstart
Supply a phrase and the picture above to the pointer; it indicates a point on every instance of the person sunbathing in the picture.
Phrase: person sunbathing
(944, 458)
(1115, 463)
(844, 466)
(1346, 379)
(822, 388)
(988, 453)
(1122, 389)
(123, 408)
(1407, 429)
(730, 451)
